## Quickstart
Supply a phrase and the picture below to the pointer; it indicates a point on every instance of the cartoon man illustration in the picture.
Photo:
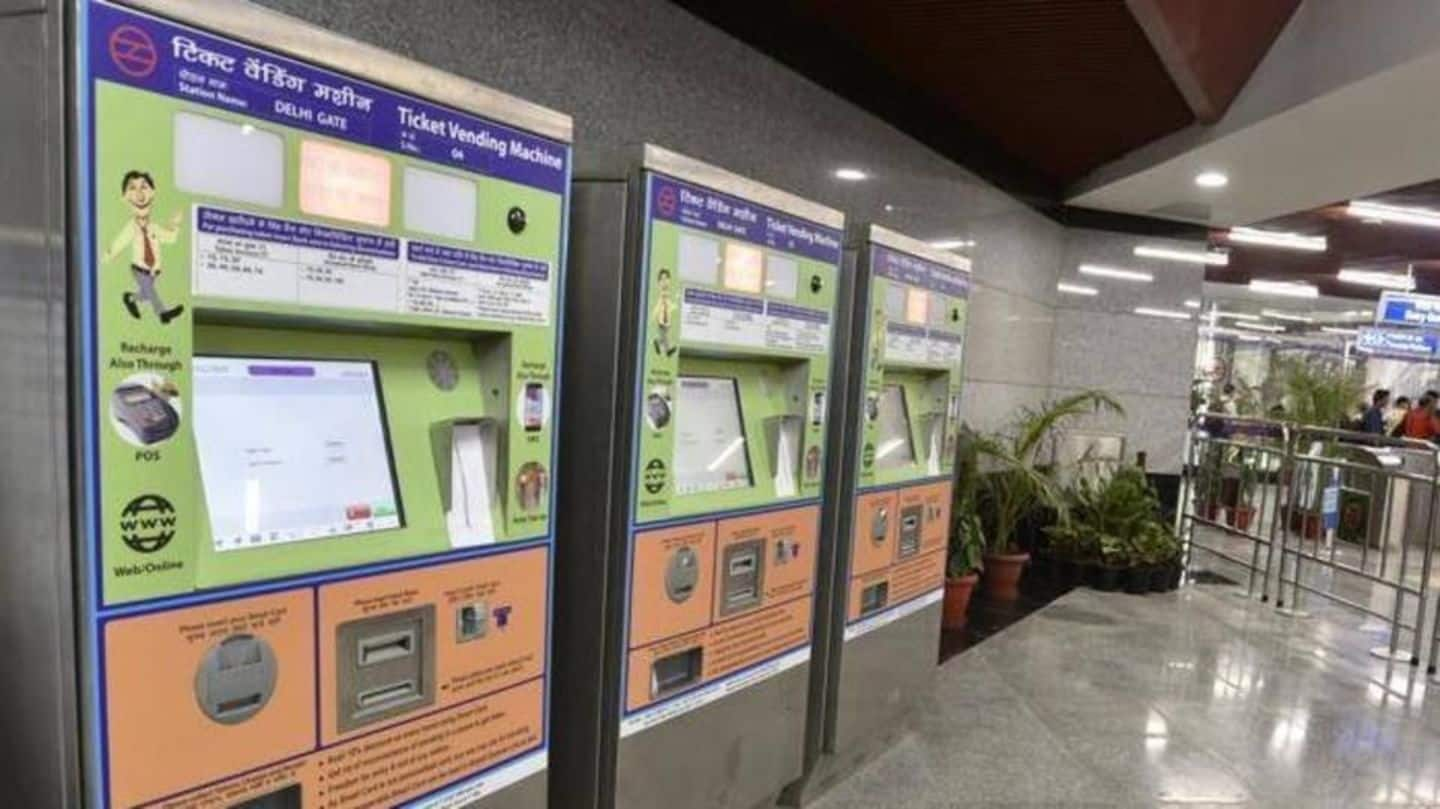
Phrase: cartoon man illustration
(144, 237)
(662, 314)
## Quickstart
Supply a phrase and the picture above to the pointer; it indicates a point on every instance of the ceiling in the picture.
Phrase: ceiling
(1031, 94)
(1352, 243)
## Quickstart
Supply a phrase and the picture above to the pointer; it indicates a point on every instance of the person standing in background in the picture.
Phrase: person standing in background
(1373, 421)
(1396, 415)
(1419, 423)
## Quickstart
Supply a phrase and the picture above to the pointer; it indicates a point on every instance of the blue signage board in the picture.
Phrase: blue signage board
(1407, 309)
(1417, 344)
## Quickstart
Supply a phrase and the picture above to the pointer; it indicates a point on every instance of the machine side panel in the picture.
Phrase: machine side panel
(35, 557)
(589, 497)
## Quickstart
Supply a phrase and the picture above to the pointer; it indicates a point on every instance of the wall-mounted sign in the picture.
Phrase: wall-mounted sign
(1417, 344)
(1407, 309)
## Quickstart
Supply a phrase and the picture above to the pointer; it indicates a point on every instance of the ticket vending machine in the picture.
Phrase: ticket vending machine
(311, 294)
(877, 645)
(702, 309)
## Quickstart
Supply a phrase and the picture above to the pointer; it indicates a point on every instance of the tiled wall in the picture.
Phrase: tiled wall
(1146, 362)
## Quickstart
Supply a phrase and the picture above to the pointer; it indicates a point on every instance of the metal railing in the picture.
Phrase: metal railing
(1350, 514)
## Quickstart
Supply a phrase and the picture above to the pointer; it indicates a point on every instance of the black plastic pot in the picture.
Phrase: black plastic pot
(1107, 579)
(1160, 578)
(1137, 580)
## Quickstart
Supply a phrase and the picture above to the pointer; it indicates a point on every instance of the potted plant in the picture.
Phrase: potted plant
(964, 559)
(1013, 486)
(1207, 482)
(1242, 513)
(1114, 560)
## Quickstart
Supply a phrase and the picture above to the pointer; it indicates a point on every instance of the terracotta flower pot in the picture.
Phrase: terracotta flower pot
(1239, 517)
(957, 600)
(1002, 575)
(1210, 510)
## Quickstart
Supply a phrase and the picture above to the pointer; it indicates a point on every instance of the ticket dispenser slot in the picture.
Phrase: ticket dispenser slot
(875, 597)
(467, 456)
(286, 798)
(912, 523)
(743, 572)
(676, 672)
(236, 679)
(783, 438)
(386, 666)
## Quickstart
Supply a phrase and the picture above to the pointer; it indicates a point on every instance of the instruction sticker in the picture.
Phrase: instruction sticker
(251, 257)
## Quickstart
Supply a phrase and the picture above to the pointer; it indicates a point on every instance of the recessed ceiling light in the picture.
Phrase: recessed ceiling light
(1076, 289)
(1286, 289)
(1155, 311)
(952, 244)
(1377, 211)
(1212, 179)
(1372, 278)
(1275, 238)
(1116, 273)
(1192, 304)
(851, 175)
(889, 207)
(1293, 318)
(1211, 257)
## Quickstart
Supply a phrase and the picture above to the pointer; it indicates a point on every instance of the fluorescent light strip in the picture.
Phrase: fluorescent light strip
(1279, 315)
(1261, 327)
(1335, 330)
(1274, 238)
(1192, 304)
(952, 244)
(1152, 311)
(1116, 273)
(1287, 289)
(1076, 289)
(1372, 278)
(1234, 315)
(1211, 257)
(1398, 214)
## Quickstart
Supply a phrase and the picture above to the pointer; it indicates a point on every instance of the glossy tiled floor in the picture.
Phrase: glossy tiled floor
(1201, 698)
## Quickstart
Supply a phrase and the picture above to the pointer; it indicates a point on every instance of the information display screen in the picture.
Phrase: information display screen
(292, 450)
(894, 446)
(710, 451)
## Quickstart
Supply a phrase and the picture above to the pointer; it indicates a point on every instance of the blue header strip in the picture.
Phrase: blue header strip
(918, 272)
(1407, 309)
(184, 63)
(700, 208)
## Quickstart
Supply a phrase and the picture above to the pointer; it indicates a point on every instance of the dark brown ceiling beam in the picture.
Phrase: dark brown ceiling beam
(1211, 47)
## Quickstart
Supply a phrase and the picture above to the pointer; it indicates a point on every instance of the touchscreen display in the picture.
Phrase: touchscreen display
(292, 450)
(893, 445)
(710, 451)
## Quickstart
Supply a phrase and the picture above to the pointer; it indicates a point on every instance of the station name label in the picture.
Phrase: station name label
(703, 209)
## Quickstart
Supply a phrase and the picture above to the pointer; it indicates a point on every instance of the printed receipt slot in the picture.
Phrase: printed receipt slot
(889, 523)
(690, 514)
(317, 296)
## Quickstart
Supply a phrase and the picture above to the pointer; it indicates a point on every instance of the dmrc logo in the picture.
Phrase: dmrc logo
(666, 200)
(133, 51)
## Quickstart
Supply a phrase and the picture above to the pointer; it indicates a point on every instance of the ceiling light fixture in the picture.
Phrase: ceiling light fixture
(1212, 179)
(1287, 289)
(1213, 258)
(1261, 327)
(1293, 318)
(1076, 289)
(1154, 311)
(1192, 304)
(1234, 315)
(952, 244)
(851, 175)
(1374, 278)
(1116, 273)
(1336, 330)
(1399, 214)
(1275, 238)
